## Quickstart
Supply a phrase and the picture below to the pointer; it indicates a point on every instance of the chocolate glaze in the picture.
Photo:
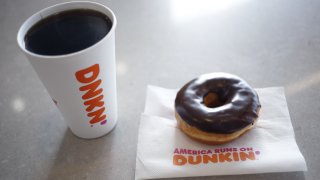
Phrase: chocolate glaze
(239, 103)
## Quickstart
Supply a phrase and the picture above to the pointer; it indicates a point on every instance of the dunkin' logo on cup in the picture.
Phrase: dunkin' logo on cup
(183, 156)
(93, 94)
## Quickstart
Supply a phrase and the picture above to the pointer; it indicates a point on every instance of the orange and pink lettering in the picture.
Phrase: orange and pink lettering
(183, 156)
(93, 94)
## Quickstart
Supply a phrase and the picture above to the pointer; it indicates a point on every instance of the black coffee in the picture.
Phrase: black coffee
(67, 32)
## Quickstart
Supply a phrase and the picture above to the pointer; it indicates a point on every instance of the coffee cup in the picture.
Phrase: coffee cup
(71, 46)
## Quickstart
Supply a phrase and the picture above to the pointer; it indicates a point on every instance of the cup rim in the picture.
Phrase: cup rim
(20, 36)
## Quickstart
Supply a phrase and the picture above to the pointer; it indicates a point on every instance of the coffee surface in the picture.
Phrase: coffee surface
(67, 32)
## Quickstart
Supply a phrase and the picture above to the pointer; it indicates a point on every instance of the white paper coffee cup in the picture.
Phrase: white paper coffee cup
(82, 84)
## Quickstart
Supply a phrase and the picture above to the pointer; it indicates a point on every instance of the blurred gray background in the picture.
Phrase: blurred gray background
(164, 43)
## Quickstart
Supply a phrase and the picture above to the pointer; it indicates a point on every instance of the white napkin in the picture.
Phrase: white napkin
(164, 151)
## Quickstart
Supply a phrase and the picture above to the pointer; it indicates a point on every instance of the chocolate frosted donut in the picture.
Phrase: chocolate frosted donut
(216, 108)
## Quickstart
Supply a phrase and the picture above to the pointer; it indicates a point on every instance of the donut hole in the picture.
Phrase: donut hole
(212, 100)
